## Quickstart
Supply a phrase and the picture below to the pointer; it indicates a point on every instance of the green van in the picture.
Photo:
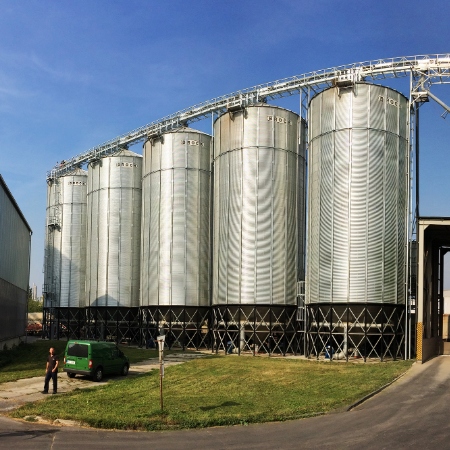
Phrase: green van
(95, 359)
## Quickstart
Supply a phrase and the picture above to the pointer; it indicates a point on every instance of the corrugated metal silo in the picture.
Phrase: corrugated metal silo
(175, 266)
(114, 216)
(358, 191)
(65, 255)
(257, 162)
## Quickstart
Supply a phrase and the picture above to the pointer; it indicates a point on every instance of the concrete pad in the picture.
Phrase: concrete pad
(16, 393)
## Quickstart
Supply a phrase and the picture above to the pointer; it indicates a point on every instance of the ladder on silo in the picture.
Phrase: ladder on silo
(54, 220)
(53, 223)
(301, 311)
(301, 314)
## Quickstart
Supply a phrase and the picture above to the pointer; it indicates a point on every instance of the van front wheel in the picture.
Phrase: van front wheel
(125, 370)
(98, 375)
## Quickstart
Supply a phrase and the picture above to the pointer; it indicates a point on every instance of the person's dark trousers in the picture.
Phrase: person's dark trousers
(54, 377)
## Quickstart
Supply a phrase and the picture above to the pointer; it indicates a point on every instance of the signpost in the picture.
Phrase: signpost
(161, 340)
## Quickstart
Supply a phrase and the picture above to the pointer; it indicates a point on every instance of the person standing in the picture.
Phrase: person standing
(51, 371)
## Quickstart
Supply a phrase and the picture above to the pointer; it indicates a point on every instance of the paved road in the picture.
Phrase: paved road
(411, 413)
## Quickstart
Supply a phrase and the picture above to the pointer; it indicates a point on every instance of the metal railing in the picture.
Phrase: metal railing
(434, 68)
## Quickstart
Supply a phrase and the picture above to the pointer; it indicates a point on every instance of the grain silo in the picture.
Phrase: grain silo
(175, 263)
(65, 252)
(65, 255)
(259, 164)
(357, 221)
(114, 235)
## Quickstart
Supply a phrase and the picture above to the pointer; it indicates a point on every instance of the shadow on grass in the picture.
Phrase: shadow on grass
(224, 404)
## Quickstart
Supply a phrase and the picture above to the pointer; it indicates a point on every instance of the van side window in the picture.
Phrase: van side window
(80, 350)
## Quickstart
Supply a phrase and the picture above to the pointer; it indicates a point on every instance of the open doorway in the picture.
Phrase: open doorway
(433, 311)
(446, 311)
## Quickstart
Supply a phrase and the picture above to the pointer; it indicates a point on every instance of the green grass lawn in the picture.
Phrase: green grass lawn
(28, 360)
(220, 390)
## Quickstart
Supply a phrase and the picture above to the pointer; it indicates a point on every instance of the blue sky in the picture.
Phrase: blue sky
(74, 74)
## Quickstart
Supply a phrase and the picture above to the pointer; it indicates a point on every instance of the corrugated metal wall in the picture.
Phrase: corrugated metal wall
(15, 238)
(14, 244)
(358, 190)
(175, 265)
(114, 230)
(255, 247)
(65, 253)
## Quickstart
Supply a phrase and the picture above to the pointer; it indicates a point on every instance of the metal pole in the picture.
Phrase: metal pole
(409, 233)
(417, 215)
(440, 321)
(161, 339)
(417, 164)
(305, 327)
(161, 367)
(382, 337)
(254, 328)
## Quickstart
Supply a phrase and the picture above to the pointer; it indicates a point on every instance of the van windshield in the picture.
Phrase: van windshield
(77, 350)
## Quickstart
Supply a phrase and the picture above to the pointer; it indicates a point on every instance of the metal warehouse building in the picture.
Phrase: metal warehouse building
(15, 241)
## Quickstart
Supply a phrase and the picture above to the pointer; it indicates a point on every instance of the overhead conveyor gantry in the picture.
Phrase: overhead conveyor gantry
(424, 71)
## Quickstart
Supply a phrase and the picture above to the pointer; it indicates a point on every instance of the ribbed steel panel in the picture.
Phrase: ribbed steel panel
(358, 190)
(15, 239)
(175, 264)
(14, 242)
(259, 198)
(13, 304)
(114, 234)
(65, 249)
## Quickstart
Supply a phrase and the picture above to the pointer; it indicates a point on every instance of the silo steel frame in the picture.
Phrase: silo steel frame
(63, 323)
(184, 326)
(256, 329)
(116, 324)
(351, 332)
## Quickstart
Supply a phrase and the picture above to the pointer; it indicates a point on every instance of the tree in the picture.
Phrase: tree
(33, 305)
